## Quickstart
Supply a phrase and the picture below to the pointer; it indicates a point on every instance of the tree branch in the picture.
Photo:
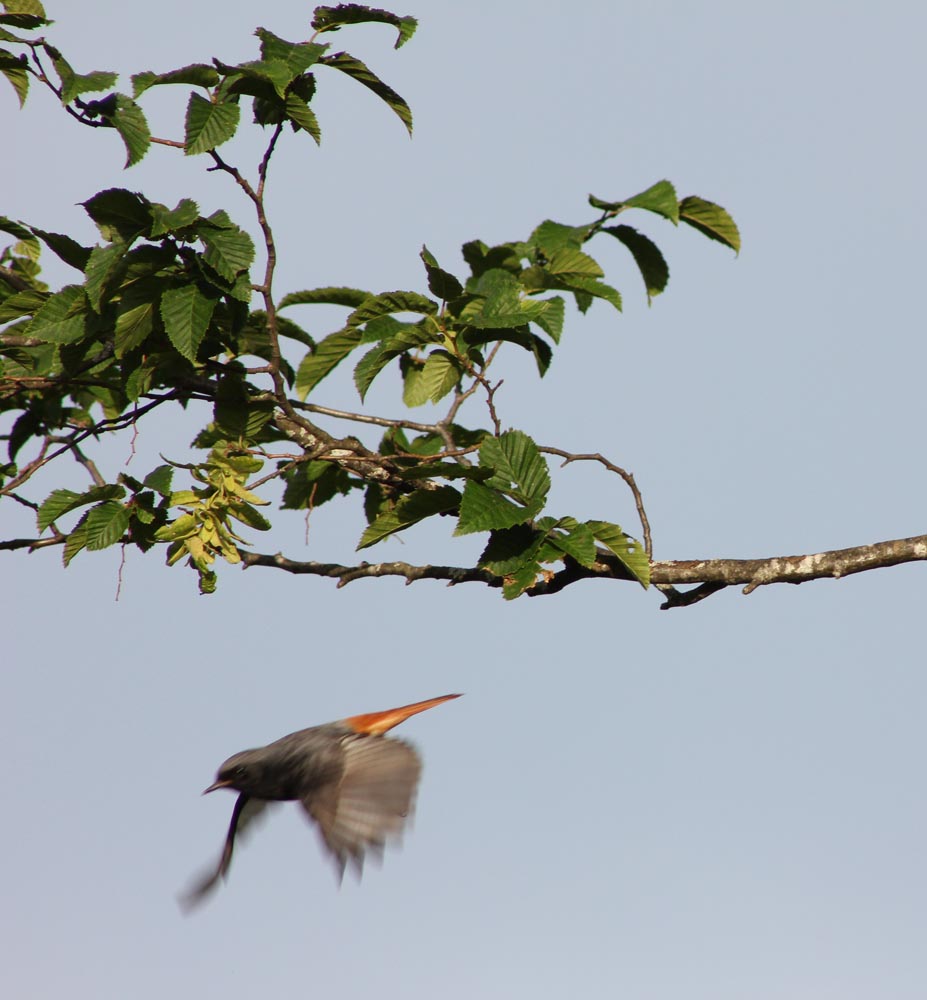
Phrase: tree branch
(712, 575)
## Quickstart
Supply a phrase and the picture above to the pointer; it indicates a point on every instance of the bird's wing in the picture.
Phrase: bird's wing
(371, 801)
(247, 809)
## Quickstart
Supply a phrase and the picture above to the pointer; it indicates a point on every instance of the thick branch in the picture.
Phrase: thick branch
(712, 575)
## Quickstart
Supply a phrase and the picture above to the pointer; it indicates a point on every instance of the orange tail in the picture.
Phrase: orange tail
(377, 723)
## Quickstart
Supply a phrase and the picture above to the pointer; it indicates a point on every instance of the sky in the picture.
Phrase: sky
(714, 802)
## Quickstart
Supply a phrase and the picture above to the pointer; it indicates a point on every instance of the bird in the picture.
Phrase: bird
(353, 782)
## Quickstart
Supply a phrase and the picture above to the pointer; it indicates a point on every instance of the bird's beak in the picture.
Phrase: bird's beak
(215, 785)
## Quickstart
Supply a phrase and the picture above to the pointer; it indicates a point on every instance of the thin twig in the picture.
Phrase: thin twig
(628, 477)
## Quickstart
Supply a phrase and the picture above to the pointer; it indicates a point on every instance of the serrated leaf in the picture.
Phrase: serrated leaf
(24, 303)
(166, 220)
(551, 319)
(710, 219)
(568, 262)
(333, 18)
(301, 115)
(249, 516)
(519, 468)
(14, 69)
(105, 525)
(209, 125)
(659, 198)
(102, 268)
(63, 318)
(410, 510)
(650, 261)
(374, 361)
(129, 121)
(510, 549)
(328, 354)
(550, 236)
(586, 289)
(135, 315)
(235, 414)
(441, 283)
(196, 74)
(360, 72)
(186, 313)
(76, 540)
(119, 214)
(297, 57)
(229, 249)
(352, 297)
(22, 234)
(578, 541)
(484, 509)
(69, 250)
(629, 551)
(440, 374)
(60, 502)
(159, 480)
(391, 302)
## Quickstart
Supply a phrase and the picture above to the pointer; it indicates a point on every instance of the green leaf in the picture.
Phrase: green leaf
(76, 540)
(63, 318)
(61, 502)
(159, 480)
(24, 14)
(24, 303)
(103, 268)
(327, 355)
(105, 524)
(502, 307)
(236, 416)
(439, 375)
(519, 467)
(578, 541)
(166, 220)
(74, 84)
(209, 125)
(647, 256)
(119, 214)
(374, 361)
(511, 549)
(410, 510)
(129, 121)
(302, 116)
(551, 319)
(297, 57)
(710, 219)
(551, 236)
(568, 262)
(22, 234)
(519, 472)
(352, 297)
(590, 288)
(186, 313)
(333, 18)
(229, 249)
(69, 250)
(13, 67)
(629, 551)
(135, 316)
(441, 283)
(358, 71)
(659, 198)
(391, 302)
(484, 509)
(197, 74)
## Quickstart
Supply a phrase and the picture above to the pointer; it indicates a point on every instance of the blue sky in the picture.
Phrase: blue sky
(718, 802)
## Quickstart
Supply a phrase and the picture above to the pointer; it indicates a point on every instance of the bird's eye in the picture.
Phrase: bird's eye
(241, 771)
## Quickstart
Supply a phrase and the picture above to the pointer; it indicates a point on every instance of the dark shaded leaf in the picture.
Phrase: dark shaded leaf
(358, 71)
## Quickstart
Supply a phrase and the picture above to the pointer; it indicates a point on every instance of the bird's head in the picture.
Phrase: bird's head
(241, 772)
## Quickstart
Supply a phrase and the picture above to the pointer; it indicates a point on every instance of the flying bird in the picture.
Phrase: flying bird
(356, 784)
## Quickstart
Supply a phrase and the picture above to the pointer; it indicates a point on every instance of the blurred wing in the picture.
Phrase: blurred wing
(370, 803)
(245, 812)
